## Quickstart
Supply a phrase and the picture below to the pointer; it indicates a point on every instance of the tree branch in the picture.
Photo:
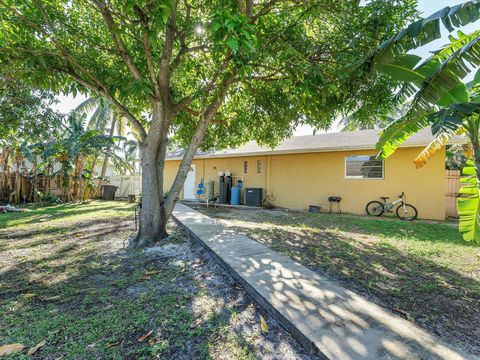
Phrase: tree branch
(185, 50)
(241, 7)
(54, 39)
(148, 51)
(197, 138)
(182, 104)
(218, 72)
(249, 8)
(107, 17)
(99, 87)
(264, 10)
(105, 93)
(191, 111)
(164, 77)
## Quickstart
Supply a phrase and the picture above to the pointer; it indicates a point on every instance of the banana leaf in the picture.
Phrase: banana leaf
(427, 30)
(468, 205)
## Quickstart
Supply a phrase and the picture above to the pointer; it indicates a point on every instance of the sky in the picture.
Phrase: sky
(426, 7)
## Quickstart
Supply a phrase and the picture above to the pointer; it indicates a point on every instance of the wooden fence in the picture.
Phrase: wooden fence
(17, 188)
(452, 185)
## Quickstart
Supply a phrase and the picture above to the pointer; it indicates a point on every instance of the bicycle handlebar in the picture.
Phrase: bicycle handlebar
(401, 195)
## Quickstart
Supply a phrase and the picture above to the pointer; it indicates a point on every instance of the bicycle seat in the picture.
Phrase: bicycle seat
(384, 197)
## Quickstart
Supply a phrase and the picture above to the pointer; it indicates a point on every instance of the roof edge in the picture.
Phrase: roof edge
(454, 141)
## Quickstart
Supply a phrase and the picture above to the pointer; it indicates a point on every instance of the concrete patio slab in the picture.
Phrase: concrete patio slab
(329, 320)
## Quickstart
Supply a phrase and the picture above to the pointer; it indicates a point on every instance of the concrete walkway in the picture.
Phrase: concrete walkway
(329, 320)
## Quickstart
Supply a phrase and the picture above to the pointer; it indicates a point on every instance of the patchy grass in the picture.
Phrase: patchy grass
(46, 216)
(66, 278)
(422, 268)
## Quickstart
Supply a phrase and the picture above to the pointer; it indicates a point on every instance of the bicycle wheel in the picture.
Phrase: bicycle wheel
(374, 208)
(407, 212)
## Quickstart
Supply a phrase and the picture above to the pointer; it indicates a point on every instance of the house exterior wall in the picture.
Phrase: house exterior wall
(296, 181)
(313, 177)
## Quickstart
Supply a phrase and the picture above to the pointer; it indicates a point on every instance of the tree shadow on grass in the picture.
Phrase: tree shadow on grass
(340, 322)
(58, 212)
(442, 301)
(80, 230)
(384, 227)
(90, 298)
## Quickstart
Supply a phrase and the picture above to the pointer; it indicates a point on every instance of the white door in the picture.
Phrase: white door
(189, 186)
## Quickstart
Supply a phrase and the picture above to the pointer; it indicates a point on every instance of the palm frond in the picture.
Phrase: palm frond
(445, 123)
(100, 118)
(437, 144)
(474, 85)
(86, 106)
(91, 124)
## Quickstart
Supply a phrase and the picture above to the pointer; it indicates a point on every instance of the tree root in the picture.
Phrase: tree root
(137, 242)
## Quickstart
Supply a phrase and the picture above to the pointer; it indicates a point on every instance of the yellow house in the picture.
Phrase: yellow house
(306, 170)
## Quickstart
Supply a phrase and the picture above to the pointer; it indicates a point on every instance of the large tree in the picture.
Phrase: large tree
(208, 73)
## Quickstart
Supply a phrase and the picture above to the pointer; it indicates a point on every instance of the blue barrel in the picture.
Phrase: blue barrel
(235, 200)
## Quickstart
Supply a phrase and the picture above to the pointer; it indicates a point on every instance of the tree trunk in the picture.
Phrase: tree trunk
(156, 210)
(151, 225)
(105, 161)
(150, 229)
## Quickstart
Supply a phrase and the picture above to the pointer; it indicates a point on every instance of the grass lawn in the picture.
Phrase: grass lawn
(421, 270)
(66, 279)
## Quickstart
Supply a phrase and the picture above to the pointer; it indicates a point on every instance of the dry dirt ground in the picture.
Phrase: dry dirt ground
(422, 271)
(66, 278)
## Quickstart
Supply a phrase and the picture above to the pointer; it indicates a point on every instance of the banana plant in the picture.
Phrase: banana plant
(468, 204)
(75, 148)
(438, 96)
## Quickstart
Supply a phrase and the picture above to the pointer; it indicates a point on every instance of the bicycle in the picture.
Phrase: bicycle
(404, 211)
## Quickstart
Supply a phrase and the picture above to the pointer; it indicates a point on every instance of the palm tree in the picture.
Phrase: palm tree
(103, 118)
(130, 150)
(439, 97)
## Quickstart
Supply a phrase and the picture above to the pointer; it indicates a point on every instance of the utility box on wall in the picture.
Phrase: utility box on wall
(253, 196)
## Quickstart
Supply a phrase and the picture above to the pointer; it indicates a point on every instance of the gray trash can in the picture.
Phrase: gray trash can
(108, 192)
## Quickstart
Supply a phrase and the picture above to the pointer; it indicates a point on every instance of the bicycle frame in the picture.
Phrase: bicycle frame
(389, 206)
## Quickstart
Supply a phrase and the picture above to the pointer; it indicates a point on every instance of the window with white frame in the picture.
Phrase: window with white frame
(363, 167)
(259, 166)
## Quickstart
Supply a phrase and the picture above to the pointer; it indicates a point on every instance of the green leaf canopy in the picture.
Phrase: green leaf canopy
(293, 62)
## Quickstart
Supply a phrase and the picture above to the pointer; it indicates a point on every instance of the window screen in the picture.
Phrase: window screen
(259, 166)
(245, 167)
(363, 167)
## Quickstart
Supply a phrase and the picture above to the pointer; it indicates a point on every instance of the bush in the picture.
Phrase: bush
(48, 198)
